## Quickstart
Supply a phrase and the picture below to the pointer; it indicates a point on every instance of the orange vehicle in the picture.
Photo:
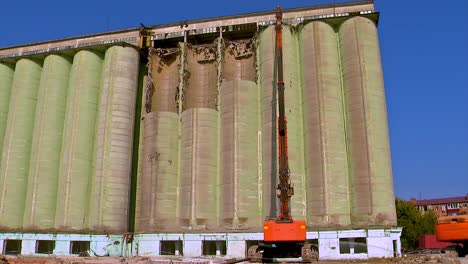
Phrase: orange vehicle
(454, 229)
(282, 236)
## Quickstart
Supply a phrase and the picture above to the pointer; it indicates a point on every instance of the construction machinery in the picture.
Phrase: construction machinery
(454, 229)
(283, 237)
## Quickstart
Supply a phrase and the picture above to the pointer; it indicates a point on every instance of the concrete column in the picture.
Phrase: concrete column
(149, 248)
(62, 248)
(28, 247)
(2, 247)
(236, 249)
(329, 245)
(193, 248)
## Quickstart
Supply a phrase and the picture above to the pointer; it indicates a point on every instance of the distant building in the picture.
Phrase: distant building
(443, 206)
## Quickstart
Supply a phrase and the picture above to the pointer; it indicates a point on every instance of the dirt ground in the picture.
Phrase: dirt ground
(410, 259)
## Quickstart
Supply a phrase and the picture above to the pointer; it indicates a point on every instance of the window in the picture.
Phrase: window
(353, 245)
(171, 248)
(452, 205)
(79, 247)
(435, 208)
(443, 208)
(12, 247)
(464, 206)
(214, 248)
(45, 246)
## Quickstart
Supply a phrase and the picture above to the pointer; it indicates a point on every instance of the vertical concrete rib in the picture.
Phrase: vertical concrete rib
(371, 174)
(78, 142)
(44, 171)
(17, 143)
(326, 159)
(112, 160)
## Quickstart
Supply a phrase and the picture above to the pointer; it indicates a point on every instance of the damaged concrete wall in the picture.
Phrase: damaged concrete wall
(207, 150)
(240, 196)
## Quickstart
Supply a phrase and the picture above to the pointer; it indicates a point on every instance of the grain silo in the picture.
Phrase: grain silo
(164, 138)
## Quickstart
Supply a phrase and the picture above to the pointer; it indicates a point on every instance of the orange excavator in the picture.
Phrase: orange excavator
(454, 229)
(283, 237)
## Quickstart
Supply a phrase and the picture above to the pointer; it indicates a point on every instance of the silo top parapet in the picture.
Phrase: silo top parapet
(227, 24)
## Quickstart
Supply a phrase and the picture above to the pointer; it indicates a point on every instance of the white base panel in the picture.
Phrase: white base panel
(332, 245)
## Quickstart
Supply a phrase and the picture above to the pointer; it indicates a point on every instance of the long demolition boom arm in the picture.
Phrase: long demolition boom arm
(284, 191)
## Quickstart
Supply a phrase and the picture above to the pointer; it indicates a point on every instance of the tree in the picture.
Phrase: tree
(414, 223)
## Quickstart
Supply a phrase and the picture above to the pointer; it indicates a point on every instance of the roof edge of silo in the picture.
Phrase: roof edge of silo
(131, 36)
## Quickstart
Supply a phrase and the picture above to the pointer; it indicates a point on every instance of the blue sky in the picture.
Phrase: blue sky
(424, 48)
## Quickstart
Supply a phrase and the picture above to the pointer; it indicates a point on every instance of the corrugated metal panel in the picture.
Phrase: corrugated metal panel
(47, 144)
(78, 139)
(110, 183)
(17, 143)
(326, 156)
(371, 173)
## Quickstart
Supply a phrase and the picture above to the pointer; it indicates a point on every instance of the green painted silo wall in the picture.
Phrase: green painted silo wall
(17, 143)
(78, 139)
(112, 161)
(371, 173)
(47, 144)
(324, 128)
(6, 80)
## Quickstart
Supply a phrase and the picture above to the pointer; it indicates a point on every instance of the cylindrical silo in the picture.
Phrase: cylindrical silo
(370, 162)
(6, 80)
(240, 206)
(165, 76)
(78, 138)
(47, 144)
(17, 143)
(201, 89)
(110, 182)
(295, 121)
(239, 60)
(293, 111)
(324, 128)
(267, 86)
(199, 168)
(158, 181)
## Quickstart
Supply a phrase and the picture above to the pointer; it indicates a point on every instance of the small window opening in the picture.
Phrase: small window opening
(345, 245)
(214, 248)
(79, 247)
(360, 245)
(174, 247)
(12, 247)
(45, 246)
(356, 245)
